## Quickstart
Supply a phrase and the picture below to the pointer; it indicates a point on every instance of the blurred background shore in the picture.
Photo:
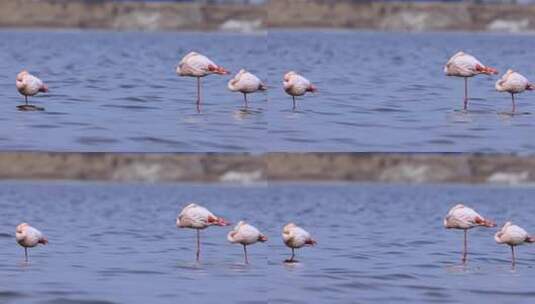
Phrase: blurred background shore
(272, 167)
(257, 15)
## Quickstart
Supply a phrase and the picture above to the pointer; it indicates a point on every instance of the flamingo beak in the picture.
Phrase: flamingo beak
(44, 88)
(262, 238)
(313, 89)
(487, 70)
(311, 242)
(222, 222)
(218, 70)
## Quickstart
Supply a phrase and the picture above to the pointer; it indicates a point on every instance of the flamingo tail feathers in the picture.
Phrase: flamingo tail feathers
(486, 70)
(485, 222)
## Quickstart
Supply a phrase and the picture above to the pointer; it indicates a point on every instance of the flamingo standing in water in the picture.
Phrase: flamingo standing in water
(246, 83)
(513, 235)
(462, 217)
(513, 83)
(466, 65)
(297, 85)
(29, 85)
(197, 65)
(197, 217)
(245, 234)
(296, 237)
(29, 237)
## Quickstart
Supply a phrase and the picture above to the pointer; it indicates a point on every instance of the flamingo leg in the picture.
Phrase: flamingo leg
(513, 99)
(26, 99)
(465, 93)
(245, 254)
(465, 247)
(245, 97)
(26, 254)
(293, 98)
(291, 259)
(198, 245)
(198, 90)
(513, 254)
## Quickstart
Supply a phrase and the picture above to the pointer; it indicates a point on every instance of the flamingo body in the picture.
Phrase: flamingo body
(197, 217)
(245, 235)
(29, 237)
(29, 85)
(245, 82)
(465, 218)
(465, 65)
(513, 82)
(297, 85)
(462, 217)
(296, 237)
(197, 65)
(513, 236)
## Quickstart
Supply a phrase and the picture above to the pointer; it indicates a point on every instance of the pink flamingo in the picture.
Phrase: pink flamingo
(245, 235)
(197, 65)
(462, 217)
(513, 83)
(513, 235)
(29, 85)
(197, 217)
(465, 65)
(296, 237)
(246, 83)
(297, 85)
(29, 237)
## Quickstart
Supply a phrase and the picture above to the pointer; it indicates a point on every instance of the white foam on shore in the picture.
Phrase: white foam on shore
(242, 177)
(509, 178)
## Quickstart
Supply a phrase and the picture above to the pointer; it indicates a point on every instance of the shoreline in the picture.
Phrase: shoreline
(275, 14)
(271, 167)
(130, 15)
(262, 32)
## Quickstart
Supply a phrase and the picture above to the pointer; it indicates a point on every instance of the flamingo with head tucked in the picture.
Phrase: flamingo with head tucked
(246, 83)
(197, 65)
(513, 235)
(513, 83)
(297, 85)
(29, 85)
(197, 217)
(29, 237)
(296, 237)
(462, 217)
(465, 65)
(245, 235)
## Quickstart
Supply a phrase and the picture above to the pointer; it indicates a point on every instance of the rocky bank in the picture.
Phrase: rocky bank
(246, 168)
(396, 16)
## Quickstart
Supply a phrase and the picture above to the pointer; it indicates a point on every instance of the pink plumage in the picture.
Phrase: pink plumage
(465, 65)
